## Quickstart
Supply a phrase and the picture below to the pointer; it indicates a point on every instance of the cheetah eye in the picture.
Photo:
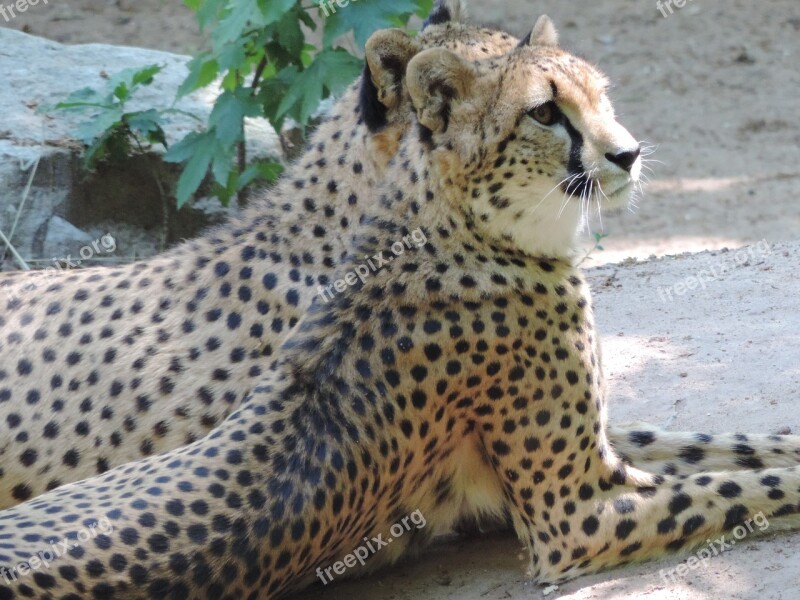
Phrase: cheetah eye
(546, 114)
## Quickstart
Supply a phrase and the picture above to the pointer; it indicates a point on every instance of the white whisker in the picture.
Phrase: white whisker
(558, 185)
(567, 197)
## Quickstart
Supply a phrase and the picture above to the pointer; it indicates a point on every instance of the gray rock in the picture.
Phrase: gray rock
(64, 240)
(39, 73)
(51, 71)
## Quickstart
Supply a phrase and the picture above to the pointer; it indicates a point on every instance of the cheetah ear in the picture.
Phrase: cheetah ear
(446, 11)
(544, 33)
(436, 79)
(387, 54)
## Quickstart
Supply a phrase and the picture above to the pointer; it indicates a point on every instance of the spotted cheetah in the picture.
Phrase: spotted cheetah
(107, 371)
(104, 366)
(462, 377)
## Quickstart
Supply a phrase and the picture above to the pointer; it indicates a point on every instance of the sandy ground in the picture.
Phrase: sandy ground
(715, 87)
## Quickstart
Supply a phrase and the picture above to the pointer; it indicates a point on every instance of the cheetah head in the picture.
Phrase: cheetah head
(528, 141)
(384, 101)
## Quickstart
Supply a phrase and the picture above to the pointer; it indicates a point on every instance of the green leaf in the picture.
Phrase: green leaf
(146, 75)
(239, 14)
(183, 150)
(97, 148)
(202, 71)
(295, 78)
(273, 10)
(194, 172)
(83, 98)
(268, 171)
(307, 19)
(122, 92)
(207, 10)
(424, 8)
(243, 14)
(94, 128)
(224, 192)
(227, 116)
(146, 124)
(290, 34)
(272, 92)
(222, 164)
(364, 17)
(122, 84)
(234, 55)
(331, 71)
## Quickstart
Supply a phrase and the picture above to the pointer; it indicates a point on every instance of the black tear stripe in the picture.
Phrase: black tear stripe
(372, 110)
(440, 14)
(579, 180)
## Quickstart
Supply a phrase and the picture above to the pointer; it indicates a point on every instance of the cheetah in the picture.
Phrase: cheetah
(464, 376)
(104, 366)
(106, 369)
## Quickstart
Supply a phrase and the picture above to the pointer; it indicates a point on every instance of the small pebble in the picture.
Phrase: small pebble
(443, 578)
(549, 590)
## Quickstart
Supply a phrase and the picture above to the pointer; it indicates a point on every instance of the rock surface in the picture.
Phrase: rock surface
(39, 73)
(63, 237)
(720, 357)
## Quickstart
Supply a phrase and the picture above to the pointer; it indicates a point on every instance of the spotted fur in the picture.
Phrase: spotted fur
(462, 378)
(68, 406)
(104, 366)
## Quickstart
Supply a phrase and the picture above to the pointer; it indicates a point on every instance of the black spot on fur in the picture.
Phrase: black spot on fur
(642, 438)
(440, 14)
(692, 454)
(736, 515)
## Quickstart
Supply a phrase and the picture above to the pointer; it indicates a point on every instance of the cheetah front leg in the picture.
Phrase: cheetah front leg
(576, 505)
(580, 510)
(632, 516)
(683, 453)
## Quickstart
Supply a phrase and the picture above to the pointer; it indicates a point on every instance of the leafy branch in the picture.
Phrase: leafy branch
(598, 238)
(261, 61)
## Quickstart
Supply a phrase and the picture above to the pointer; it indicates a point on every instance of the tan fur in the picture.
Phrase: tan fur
(127, 371)
(463, 377)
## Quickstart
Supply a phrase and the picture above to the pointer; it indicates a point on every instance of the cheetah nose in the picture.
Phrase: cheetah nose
(626, 159)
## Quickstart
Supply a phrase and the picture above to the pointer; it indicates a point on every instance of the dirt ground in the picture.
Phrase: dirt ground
(714, 87)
